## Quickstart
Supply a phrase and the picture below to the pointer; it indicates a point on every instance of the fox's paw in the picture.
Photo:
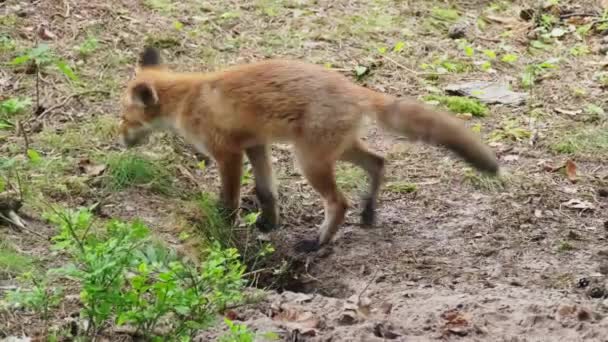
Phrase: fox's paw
(307, 246)
(265, 225)
(368, 215)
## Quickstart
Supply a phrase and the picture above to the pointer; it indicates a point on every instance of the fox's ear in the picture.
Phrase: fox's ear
(149, 57)
(144, 94)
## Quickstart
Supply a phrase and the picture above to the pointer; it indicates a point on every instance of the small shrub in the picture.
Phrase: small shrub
(126, 278)
(40, 298)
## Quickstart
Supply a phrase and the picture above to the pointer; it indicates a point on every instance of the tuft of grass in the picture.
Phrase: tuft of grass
(159, 5)
(565, 246)
(445, 14)
(129, 169)
(350, 177)
(211, 222)
(483, 182)
(510, 130)
(401, 187)
(459, 104)
(587, 141)
(13, 263)
(90, 45)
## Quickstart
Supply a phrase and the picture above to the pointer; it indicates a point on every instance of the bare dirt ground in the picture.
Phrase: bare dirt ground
(454, 256)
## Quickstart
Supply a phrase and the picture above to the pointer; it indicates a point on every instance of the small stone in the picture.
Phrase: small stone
(583, 314)
(604, 268)
(457, 31)
(596, 292)
(603, 49)
(603, 192)
(347, 318)
(572, 235)
(582, 283)
(526, 14)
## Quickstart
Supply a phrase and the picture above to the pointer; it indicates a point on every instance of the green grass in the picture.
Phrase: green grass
(483, 182)
(401, 187)
(80, 137)
(211, 221)
(13, 263)
(130, 169)
(350, 177)
(586, 141)
(459, 104)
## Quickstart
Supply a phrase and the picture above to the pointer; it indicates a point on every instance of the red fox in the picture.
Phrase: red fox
(243, 109)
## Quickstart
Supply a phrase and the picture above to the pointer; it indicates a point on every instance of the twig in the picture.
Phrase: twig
(67, 8)
(16, 221)
(402, 66)
(65, 101)
(368, 284)
(25, 137)
(570, 15)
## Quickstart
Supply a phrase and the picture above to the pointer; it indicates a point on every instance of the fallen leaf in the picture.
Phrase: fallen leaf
(296, 320)
(576, 203)
(46, 34)
(91, 169)
(386, 308)
(571, 170)
(381, 331)
(231, 315)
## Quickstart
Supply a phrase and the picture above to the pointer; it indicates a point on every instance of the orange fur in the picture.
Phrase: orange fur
(245, 108)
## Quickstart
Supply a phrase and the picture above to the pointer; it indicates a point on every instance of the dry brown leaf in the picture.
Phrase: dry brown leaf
(91, 169)
(46, 34)
(294, 319)
(571, 170)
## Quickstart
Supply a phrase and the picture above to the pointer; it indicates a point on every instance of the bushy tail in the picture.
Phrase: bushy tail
(421, 122)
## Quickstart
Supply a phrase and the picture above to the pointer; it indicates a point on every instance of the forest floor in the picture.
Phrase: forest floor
(453, 256)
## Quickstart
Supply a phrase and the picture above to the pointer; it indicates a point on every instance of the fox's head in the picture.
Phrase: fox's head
(141, 109)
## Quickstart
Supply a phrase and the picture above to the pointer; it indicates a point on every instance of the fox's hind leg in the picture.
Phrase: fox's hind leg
(319, 171)
(373, 164)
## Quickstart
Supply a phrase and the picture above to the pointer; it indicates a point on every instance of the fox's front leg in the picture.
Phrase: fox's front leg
(230, 166)
(265, 188)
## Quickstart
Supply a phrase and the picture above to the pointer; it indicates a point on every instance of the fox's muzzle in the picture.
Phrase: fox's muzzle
(131, 136)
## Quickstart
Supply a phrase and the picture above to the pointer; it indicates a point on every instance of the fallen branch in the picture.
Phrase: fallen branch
(65, 101)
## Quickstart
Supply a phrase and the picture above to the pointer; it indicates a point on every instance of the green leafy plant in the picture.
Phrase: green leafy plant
(90, 45)
(237, 333)
(532, 71)
(40, 298)
(240, 333)
(43, 56)
(510, 130)
(11, 107)
(127, 278)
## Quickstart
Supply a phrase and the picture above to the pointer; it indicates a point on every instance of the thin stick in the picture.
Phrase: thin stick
(402, 66)
(368, 284)
(65, 101)
(25, 137)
